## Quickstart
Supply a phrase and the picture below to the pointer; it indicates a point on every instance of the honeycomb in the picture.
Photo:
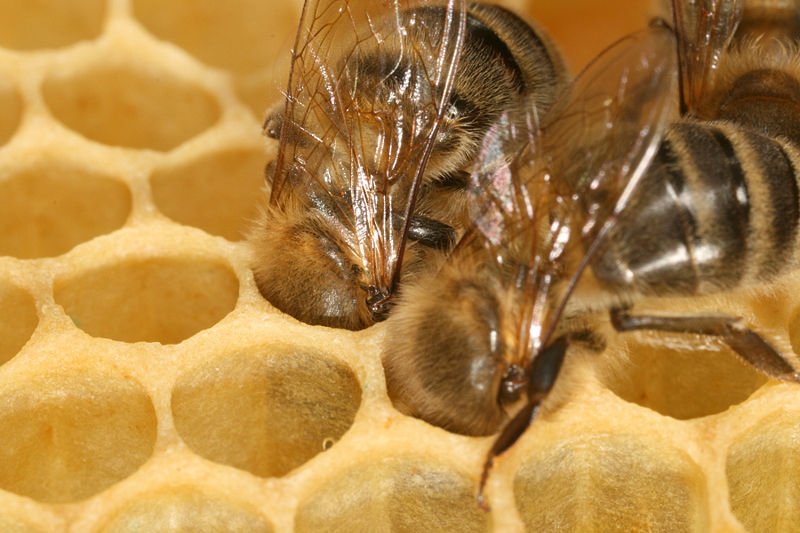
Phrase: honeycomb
(145, 385)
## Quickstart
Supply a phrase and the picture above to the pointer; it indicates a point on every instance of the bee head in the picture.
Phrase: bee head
(305, 268)
(445, 353)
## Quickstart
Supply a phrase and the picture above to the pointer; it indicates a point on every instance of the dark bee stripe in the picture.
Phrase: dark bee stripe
(513, 25)
(479, 35)
(456, 180)
(650, 249)
(720, 200)
(671, 212)
(780, 183)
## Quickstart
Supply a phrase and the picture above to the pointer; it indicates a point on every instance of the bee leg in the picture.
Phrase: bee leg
(748, 344)
(542, 376)
(431, 233)
(428, 231)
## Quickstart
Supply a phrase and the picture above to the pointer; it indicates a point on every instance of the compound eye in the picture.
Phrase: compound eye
(512, 384)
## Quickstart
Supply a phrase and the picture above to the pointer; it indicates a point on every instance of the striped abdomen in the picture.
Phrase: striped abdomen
(718, 208)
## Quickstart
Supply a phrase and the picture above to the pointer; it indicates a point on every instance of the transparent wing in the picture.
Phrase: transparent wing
(368, 89)
(496, 200)
(594, 147)
(704, 29)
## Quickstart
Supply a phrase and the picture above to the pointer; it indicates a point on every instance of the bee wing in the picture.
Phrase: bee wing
(496, 199)
(368, 89)
(704, 29)
(595, 146)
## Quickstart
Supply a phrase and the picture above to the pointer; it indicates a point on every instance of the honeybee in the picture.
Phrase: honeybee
(621, 193)
(386, 105)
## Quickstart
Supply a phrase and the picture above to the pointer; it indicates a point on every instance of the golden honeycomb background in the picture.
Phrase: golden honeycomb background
(145, 385)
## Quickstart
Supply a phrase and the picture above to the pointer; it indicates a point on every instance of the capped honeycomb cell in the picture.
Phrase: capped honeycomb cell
(266, 412)
(69, 435)
(761, 468)
(130, 105)
(611, 483)
(48, 208)
(18, 319)
(161, 299)
(184, 510)
(391, 495)
(10, 109)
(218, 193)
(49, 23)
(682, 383)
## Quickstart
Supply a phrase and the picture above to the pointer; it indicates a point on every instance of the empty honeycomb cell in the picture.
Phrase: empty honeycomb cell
(237, 35)
(126, 105)
(18, 319)
(47, 209)
(265, 414)
(610, 483)
(682, 383)
(393, 495)
(160, 299)
(217, 193)
(184, 510)
(49, 23)
(70, 435)
(762, 468)
(10, 108)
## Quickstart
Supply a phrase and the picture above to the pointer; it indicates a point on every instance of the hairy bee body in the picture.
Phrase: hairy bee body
(640, 201)
(329, 244)
(719, 207)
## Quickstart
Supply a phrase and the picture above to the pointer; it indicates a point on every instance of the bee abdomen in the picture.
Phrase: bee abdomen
(718, 208)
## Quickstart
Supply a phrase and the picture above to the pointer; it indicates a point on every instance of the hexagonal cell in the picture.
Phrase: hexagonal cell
(185, 509)
(607, 482)
(217, 193)
(10, 108)
(49, 23)
(161, 299)
(237, 35)
(266, 415)
(47, 209)
(761, 468)
(394, 494)
(129, 105)
(18, 319)
(681, 383)
(69, 436)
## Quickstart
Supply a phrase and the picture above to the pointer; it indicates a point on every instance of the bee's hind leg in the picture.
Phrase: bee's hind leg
(748, 344)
